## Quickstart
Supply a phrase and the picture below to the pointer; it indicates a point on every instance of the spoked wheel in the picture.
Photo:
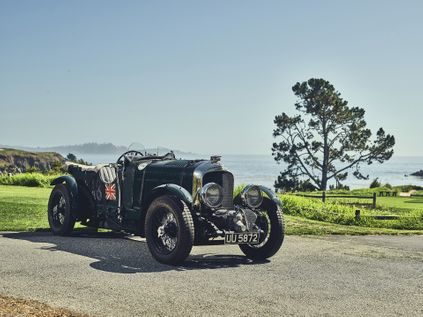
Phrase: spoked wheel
(60, 215)
(264, 223)
(169, 230)
(270, 221)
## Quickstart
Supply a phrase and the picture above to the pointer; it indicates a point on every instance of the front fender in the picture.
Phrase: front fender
(172, 190)
(270, 193)
(165, 189)
(71, 185)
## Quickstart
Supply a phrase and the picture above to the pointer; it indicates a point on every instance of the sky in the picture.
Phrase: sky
(202, 76)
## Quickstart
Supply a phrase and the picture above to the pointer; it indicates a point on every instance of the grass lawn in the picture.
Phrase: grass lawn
(302, 226)
(400, 204)
(25, 209)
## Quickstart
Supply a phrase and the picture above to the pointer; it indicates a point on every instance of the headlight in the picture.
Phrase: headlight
(252, 197)
(212, 195)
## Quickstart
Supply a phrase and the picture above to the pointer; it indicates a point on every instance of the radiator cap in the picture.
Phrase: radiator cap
(215, 158)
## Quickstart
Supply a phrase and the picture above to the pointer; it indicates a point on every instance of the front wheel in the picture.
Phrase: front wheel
(169, 230)
(270, 221)
(60, 216)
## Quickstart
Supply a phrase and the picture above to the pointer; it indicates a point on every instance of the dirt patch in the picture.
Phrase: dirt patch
(10, 306)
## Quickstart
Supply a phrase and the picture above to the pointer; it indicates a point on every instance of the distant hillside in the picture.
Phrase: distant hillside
(18, 161)
(91, 148)
(86, 148)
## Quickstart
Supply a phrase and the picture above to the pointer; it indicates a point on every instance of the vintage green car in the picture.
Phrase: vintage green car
(173, 203)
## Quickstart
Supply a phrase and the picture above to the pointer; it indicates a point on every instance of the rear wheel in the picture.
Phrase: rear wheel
(60, 216)
(169, 230)
(270, 221)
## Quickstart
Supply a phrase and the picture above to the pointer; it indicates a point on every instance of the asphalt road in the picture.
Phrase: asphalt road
(109, 275)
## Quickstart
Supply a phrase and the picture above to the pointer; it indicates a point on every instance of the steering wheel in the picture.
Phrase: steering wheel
(124, 157)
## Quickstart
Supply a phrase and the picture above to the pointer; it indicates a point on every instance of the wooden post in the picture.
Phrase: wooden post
(324, 196)
(374, 201)
(357, 215)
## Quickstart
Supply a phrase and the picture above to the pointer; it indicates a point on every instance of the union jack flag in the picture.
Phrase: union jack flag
(110, 191)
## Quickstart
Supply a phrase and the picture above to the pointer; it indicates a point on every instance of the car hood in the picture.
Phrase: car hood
(178, 172)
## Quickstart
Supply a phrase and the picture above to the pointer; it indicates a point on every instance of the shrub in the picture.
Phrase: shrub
(407, 188)
(345, 215)
(375, 183)
(238, 189)
(339, 186)
(317, 210)
(27, 179)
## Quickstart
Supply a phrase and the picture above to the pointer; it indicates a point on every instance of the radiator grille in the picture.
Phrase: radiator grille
(226, 180)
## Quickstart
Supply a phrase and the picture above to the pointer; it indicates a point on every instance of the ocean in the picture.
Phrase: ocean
(262, 169)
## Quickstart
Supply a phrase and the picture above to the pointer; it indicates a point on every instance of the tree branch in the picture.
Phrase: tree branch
(301, 136)
(360, 159)
(304, 168)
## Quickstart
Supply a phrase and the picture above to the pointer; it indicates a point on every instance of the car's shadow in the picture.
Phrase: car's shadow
(118, 253)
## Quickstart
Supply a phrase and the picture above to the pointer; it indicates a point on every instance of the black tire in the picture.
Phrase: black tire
(273, 215)
(173, 218)
(60, 216)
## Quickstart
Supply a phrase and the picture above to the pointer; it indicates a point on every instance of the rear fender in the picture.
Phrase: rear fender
(72, 187)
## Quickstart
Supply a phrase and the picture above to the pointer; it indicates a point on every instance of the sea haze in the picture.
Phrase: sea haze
(262, 169)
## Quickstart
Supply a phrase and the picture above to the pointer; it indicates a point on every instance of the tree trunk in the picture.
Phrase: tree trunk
(324, 182)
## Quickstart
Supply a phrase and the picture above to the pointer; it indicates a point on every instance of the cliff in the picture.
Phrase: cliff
(18, 161)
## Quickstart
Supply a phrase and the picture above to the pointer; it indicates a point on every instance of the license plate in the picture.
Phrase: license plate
(242, 238)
